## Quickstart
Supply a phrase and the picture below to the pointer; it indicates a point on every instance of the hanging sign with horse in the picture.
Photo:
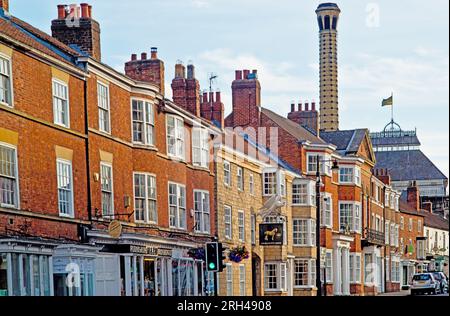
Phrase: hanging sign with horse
(271, 234)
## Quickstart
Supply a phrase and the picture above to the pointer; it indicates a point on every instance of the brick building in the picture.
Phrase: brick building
(129, 184)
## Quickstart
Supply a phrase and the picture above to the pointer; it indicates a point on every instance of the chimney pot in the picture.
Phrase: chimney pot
(211, 97)
(313, 106)
(306, 106)
(133, 57)
(154, 53)
(62, 11)
(218, 97)
(246, 73)
(292, 107)
(84, 10)
(238, 74)
(205, 97)
(191, 71)
(144, 56)
(90, 11)
(300, 106)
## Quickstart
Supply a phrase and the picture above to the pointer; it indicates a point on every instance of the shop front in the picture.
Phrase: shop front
(26, 267)
(151, 268)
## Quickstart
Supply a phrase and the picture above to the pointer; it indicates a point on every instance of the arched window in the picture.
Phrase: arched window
(335, 20)
(327, 22)
(319, 19)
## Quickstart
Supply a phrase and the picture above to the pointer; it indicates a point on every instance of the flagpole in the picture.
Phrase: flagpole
(392, 108)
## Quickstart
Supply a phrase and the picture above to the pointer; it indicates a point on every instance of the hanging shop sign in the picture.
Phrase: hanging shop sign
(115, 229)
(271, 234)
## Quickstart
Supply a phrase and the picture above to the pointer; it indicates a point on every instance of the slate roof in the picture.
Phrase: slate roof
(26, 34)
(294, 129)
(412, 140)
(436, 221)
(407, 209)
(408, 165)
(347, 142)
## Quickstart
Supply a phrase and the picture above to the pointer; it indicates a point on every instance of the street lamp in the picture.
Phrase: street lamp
(318, 216)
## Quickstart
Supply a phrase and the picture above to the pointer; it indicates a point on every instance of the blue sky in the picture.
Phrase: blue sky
(385, 46)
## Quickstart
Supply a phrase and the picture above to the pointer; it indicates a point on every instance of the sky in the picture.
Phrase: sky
(384, 47)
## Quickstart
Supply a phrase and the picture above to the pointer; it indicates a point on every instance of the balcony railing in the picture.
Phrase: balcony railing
(375, 237)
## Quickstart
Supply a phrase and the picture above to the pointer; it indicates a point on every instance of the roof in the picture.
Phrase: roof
(408, 165)
(28, 35)
(436, 221)
(395, 138)
(294, 129)
(407, 209)
(347, 142)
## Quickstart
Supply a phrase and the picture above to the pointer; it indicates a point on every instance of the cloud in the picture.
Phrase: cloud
(200, 3)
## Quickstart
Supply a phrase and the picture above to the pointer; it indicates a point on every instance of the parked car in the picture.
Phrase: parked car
(425, 283)
(443, 281)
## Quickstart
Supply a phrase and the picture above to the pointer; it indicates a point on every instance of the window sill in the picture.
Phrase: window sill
(174, 158)
(62, 125)
(66, 216)
(305, 287)
(139, 145)
(6, 104)
(9, 207)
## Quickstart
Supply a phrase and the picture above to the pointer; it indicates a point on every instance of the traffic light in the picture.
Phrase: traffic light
(222, 257)
(212, 257)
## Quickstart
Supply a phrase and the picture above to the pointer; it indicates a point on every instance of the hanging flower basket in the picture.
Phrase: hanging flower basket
(197, 253)
(238, 254)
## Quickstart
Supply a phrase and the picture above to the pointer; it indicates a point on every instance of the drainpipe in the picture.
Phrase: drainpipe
(385, 247)
(88, 165)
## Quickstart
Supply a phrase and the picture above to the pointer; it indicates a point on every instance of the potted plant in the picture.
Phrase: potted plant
(197, 253)
(238, 254)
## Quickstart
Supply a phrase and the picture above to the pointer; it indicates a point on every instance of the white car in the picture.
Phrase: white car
(425, 283)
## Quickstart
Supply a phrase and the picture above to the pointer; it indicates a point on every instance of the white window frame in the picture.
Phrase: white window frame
(228, 221)
(242, 280)
(253, 229)
(227, 173)
(355, 220)
(303, 238)
(355, 268)
(111, 192)
(55, 114)
(311, 273)
(178, 209)
(16, 184)
(101, 108)
(419, 225)
(229, 279)
(395, 270)
(269, 186)
(329, 266)
(200, 147)
(325, 167)
(410, 224)
(354, 177)
(66, 163)
(146, 198)
(304, 196)
(280, 276)
(178, 137)
(251, 183)
(205, 225)
(148, 122)
(8, 60)
(402, 223)
(387, 232)
(241, 226)
(240, 178)
(327, 211)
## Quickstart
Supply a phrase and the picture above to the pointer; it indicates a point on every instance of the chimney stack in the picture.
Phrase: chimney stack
(213, 110)
(4, 4)
(147, 70)
(309, 119)
(413, 196)
(82, 31)
(428, 206)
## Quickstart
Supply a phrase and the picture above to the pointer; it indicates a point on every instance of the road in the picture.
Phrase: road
(408, 293)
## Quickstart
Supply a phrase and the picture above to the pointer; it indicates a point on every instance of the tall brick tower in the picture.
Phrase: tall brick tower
(328, 17)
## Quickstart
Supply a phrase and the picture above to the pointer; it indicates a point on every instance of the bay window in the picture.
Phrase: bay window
(275, 277)
(202, 211)
(327, 211)
(145, 198)
(303, 192)
(350, 217)
(200, 147)
(329, 266)
(175, 137)
(324, 161)
(61, 103)
(304, 231)
(177, 206)
(304, 273)
(5, 81)
(9, 189)
(274, 182)
(350, 175)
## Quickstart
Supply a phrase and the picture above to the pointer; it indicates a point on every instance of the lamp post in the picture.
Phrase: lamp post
(318, 219)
